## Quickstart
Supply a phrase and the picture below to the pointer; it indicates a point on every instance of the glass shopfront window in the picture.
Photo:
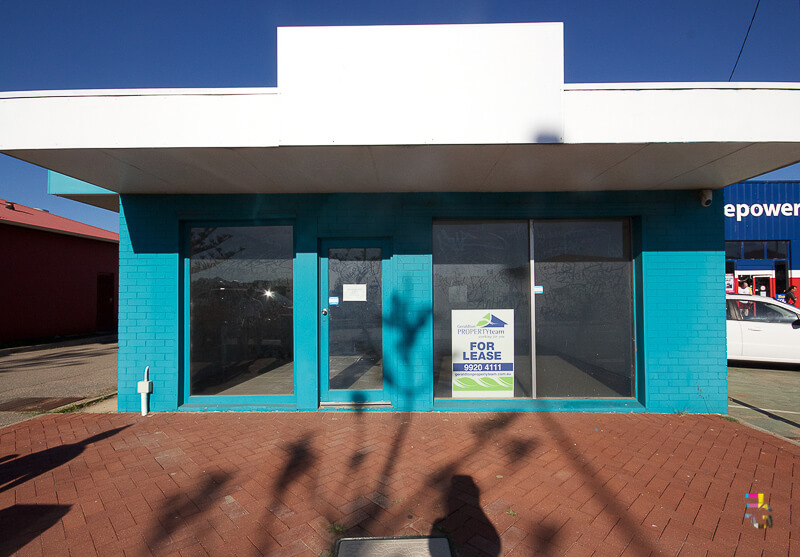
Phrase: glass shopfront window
(481, 266)
(777, 249)
(753, 250)
(581, 295)
(241, 323)
(733, 250)
(584, 316)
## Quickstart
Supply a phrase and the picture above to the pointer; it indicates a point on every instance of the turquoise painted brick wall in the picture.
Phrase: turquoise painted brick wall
(682, 328)
(684, 308)
(148, 305)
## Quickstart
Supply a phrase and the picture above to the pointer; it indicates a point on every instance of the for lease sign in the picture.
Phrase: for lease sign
(483, 353)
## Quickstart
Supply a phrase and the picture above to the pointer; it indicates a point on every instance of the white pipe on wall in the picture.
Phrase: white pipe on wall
(144, 388)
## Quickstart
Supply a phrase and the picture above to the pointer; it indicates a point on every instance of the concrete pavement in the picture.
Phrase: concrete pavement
(766, 397)
(71, 371)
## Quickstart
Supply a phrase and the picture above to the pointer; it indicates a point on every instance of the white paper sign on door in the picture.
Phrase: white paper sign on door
(483, 353)
(354, 292)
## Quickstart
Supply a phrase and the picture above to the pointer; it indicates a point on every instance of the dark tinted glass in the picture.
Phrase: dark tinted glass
(776, 250)
(355, 325)
(753, 250)
(733, 250)
(241, 310)
(481, 265)
(584, 313)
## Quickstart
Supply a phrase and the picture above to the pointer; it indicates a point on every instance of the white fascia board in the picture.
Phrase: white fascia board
(680, 113)
(139, 119)
(159, 92)
(679, 85)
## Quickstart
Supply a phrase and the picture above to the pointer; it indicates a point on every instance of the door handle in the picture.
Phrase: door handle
(324, 311)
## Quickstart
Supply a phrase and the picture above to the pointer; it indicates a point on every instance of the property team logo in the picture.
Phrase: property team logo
(756, 501)
(490, 321)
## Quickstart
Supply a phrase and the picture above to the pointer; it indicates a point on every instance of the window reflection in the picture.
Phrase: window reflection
(584, 316)
(584, 303)
(481, 265)
(241, 310)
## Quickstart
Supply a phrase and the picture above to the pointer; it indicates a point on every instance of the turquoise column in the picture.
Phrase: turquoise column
(306, 330)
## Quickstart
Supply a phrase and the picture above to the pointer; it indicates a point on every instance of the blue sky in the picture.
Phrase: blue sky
(91, 44)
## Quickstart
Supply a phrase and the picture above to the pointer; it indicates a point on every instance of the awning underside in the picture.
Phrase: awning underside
(418, 168)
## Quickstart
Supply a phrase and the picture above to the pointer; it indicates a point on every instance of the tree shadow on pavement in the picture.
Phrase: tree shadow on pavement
(21, 469)
(301, 459)
(362, 502)
(20, 524)
(178, 509)
(61, 359)
(639, 545)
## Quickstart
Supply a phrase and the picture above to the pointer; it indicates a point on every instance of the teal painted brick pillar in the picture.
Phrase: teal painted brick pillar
(306, 309)
(683, 266)
(148, 305)
(411, 321)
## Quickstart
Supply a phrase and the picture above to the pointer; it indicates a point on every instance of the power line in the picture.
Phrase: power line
(745, 39)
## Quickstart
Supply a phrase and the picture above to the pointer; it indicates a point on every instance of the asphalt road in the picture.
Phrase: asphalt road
(57, 371)
(766, 396)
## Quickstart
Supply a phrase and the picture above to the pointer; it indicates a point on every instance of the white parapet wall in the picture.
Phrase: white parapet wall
(410, 108)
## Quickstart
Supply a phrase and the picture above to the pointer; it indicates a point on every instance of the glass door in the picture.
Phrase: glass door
(352, 301)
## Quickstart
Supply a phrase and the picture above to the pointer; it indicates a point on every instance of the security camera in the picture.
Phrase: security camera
(705, 197)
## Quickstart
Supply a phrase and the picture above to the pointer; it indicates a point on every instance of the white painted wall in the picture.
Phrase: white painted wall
(424, 84)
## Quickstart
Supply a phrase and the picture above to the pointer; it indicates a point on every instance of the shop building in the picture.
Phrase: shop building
(59, 276)
(762, 237)
(417, 218)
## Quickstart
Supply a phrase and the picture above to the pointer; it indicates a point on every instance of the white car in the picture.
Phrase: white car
(762, 329)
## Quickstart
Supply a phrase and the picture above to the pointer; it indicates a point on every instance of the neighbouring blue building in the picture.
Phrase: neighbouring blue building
(401, 225)
(762, 236)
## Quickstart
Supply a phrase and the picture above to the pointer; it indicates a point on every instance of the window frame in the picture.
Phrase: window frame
(243, 402)
(630, 227)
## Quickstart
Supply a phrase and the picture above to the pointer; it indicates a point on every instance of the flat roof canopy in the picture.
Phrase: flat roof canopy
(490, 115)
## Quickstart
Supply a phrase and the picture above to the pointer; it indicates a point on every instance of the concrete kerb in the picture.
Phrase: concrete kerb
(761, 429)
(82, 405)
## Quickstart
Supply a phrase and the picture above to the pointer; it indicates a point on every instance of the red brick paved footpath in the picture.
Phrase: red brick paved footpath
(288, 483)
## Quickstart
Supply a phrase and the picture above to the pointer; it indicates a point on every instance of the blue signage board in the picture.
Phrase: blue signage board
(762, 211)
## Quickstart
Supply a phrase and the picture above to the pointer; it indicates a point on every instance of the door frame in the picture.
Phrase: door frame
(384, 396)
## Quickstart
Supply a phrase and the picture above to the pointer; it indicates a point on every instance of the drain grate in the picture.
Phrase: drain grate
(392, 547)
(35, 404)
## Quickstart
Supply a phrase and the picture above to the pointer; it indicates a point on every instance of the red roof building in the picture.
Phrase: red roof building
(59, 277)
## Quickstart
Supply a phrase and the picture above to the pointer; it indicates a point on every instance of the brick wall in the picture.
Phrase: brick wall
(148, 304)
(684, 302)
